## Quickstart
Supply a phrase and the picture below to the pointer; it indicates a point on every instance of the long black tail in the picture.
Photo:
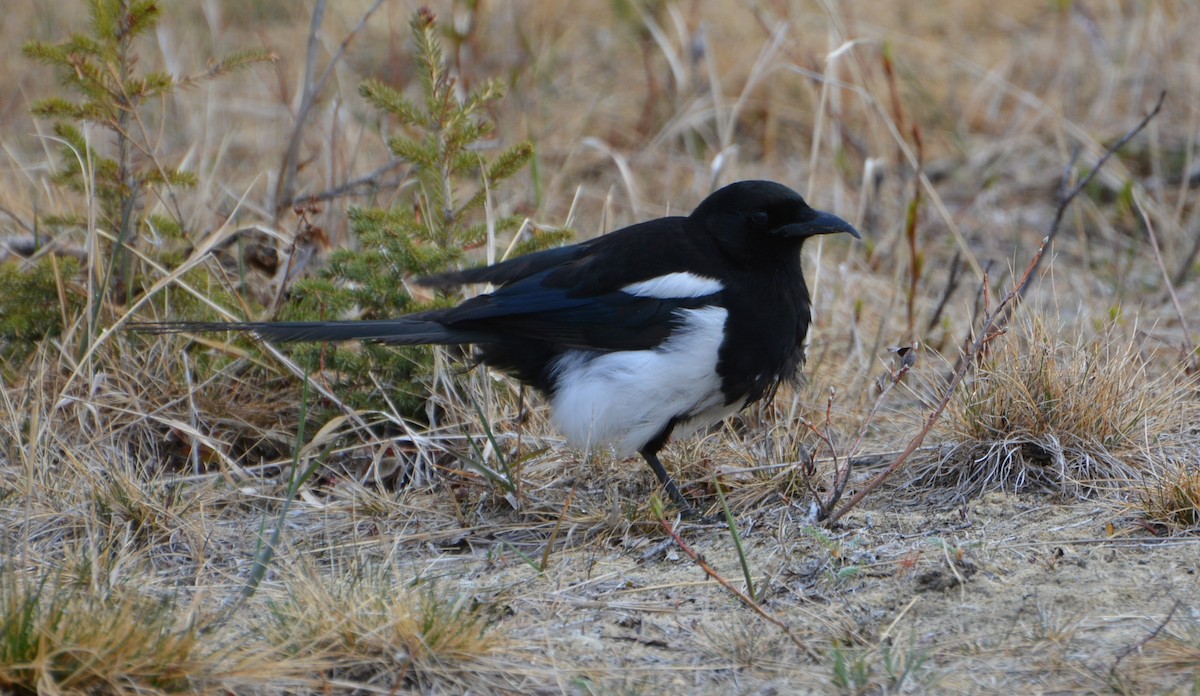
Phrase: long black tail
(408, 331)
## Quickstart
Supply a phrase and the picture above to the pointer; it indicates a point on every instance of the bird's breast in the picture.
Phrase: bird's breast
(764, 343)
(626, 398)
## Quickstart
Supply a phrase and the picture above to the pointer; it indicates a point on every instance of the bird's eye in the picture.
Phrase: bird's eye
(760, 218)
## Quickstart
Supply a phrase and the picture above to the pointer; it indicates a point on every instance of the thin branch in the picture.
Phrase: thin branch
(989, 331)
(289, 166)
(1149, 637)
(371, 181)
(742, 596)
(952, 280)
(312, 87)
(337, 56)
(841, 474)
(1065, 199)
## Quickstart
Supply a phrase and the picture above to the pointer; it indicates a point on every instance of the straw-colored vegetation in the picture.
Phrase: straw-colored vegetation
(1045, 410)
(209, 514)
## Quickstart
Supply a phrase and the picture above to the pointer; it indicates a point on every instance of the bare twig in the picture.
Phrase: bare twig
(952, 281)
(841, 474)
(285, 186)
(368, 182)
(308, 92)
(983, 300)
(1149, 637)
(1065, 199)
(742, 596)
(987, 332)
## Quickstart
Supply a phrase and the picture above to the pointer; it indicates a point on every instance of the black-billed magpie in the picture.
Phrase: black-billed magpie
(656, 329)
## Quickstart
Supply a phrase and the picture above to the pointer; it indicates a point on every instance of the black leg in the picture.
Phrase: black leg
(650, 453)
(664, 478)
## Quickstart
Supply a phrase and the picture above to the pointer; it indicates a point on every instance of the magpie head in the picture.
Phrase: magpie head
(757, 217)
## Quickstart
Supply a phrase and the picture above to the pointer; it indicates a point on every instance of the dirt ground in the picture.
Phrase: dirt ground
(1006, 593)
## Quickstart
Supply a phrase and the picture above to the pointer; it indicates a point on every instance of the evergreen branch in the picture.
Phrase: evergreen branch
(371, 181)
(392, 101)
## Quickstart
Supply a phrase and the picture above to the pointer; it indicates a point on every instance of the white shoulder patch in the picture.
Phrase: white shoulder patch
(675, 285)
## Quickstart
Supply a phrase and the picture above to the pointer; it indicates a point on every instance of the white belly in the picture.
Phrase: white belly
(624, 399)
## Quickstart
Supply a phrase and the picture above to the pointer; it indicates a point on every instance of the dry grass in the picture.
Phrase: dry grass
(1172, 498)
(1071, 415)
(79, 639)
(90, 626)
(139, 479)
(365, 626)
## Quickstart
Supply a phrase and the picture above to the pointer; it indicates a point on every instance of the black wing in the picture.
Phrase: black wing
(533, 308)
(572, 297)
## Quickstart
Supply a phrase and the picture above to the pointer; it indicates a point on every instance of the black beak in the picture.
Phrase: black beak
(821, 223)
